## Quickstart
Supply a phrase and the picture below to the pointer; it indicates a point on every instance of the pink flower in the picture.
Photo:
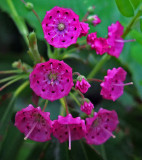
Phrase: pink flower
(87, 107)
(84, 29)
(51, 80)
(114, 40)
(35, 124)
(100, 45)
(82, 85)
(61, 27)
(91, 38)
(68, 128)
(113, 86)
(96, 20)
(100, 127)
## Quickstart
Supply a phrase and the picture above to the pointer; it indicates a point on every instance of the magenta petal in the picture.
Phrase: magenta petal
(51, 80)
(63, 124)
(114, 76)
(61, 37)
(29, 117)
(100, 127)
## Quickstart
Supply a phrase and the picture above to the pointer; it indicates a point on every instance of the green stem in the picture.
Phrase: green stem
(10, 72)
(8, 78)
(18, 21)
(103, 152)
(128, 28)
(99, 65)
(12, 81)
(49, 52)
(45, 105)
(75, 99)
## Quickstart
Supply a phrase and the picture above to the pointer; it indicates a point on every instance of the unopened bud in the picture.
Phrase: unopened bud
(29, 6)
(91, 9)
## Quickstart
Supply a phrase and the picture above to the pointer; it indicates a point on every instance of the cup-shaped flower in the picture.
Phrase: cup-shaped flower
(113, 86)
(61, 27)
(34, 123)
(51, 80)
(100, 127)
(69, 128)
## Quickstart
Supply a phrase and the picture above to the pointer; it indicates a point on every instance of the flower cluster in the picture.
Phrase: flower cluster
(113, 44)
(53, 80)
(37, 126)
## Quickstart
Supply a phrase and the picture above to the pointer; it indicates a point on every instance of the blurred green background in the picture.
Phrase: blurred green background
(127, 144)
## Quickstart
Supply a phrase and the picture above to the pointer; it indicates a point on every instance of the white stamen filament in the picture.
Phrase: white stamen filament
(69, 131)
(110, 133)
(121, 41)
(25, 138)
(123, 84)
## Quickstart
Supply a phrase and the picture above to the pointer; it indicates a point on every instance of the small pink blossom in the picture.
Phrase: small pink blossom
(68, 128)
(84, 29)
(34, 123)
(87, 107)
(61, 27)
(96, 20)
(100, 45)
(51, 80)
(82, 85)
(91, 38)
(100, 127)
(113, 86)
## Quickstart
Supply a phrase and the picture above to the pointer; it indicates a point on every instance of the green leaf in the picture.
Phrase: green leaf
(141, 24)
(135, 3)
(11, 144)
(125, 7)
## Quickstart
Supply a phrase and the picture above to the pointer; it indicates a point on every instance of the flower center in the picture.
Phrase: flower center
(61, 26)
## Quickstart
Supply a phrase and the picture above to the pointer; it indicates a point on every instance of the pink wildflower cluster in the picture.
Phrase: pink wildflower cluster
(61, 27)
(113, 44)
(36, 125)
(53, 80)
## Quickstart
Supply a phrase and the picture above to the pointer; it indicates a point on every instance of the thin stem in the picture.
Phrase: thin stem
(76, 90)
(18, 21)
(33, 127)
(128, 29)
(75, 99)
(10, 72)
(99, 65)
(76, 73)
(103, 152)
(95, 80)
(49, 52)
(65, 101)
(45, 105)
(64, 104)
(8, 78)
(12, 81)
(121, 41)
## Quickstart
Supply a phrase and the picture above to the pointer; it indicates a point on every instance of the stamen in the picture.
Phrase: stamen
(30, 131)
(61, 26)
(121, 41)
(110, 133)
(123, 84)
(69, 131)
